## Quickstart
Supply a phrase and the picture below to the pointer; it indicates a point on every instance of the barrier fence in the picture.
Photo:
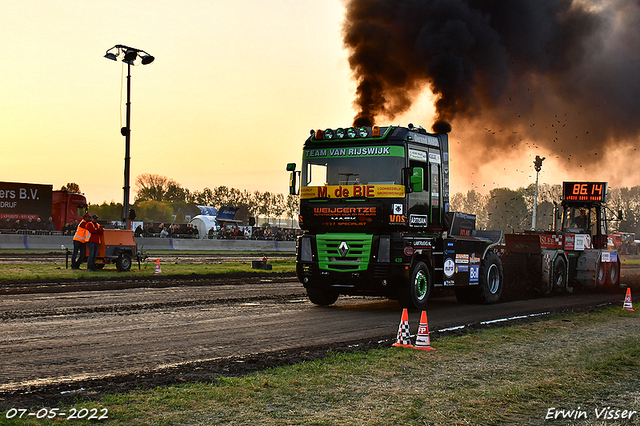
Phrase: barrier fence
(57, 242)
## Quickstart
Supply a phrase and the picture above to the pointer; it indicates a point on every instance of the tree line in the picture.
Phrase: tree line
(161, 199)
(512, 210)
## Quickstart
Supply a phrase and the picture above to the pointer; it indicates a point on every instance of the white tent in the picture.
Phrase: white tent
(204, 223)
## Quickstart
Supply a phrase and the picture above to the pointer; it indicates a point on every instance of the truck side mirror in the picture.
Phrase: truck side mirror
(293, 178)
(417, 179)
(293, 182)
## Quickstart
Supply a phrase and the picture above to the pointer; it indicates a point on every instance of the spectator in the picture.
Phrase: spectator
(16, 225)
(138, 232)
(7, 224)
(96, 231)
(150, 230)
(50, 225)
(67, 228)
(211, 233)
(30, 225)
(163, 232)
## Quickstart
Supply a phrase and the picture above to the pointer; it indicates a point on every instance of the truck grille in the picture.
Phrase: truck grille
(344, 252)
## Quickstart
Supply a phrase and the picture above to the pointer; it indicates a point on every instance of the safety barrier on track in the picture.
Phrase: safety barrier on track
(51, 242)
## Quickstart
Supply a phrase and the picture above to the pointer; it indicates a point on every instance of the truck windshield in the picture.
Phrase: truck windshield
(352, 171)
(579, 219)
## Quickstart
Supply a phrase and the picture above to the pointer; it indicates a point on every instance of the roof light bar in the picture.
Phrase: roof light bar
(328, 134)
(342, 133)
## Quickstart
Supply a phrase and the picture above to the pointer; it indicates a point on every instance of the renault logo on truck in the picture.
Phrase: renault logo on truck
(343, 249)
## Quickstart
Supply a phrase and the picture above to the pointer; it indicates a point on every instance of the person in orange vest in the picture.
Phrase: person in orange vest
(79, 240)
(96, 231)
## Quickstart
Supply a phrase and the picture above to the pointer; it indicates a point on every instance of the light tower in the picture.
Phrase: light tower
(128, 55)
(537, 164)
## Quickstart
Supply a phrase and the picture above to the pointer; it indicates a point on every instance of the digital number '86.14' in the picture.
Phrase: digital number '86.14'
(587, 189)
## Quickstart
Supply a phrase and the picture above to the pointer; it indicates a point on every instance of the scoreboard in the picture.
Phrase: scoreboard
(585, 191)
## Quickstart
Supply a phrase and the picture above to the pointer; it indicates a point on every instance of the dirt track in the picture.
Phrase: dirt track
(57, 346)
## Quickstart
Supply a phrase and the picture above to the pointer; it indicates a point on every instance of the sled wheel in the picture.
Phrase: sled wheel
(559, 275)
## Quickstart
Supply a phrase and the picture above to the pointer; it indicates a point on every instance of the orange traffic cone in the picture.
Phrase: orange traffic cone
(422, 339)
(158, 270)
(628, 306)
(403, 338)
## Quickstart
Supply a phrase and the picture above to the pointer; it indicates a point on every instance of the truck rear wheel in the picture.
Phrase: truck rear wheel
(322, 296)
(491, 279)
(415, 294)
(123, 263)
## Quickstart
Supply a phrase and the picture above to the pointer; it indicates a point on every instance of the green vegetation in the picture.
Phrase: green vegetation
(502, 376)
(506, 209)
(161, 199)
(58, 269)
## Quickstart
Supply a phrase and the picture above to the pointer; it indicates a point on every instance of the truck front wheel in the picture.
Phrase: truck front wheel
(123, 263)
(491, 279)
(416, 294)
(322, 296)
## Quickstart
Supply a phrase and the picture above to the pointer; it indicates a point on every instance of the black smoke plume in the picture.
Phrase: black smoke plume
(556, 74)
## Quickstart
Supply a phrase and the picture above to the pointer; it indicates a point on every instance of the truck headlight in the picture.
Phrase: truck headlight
(306, 253)
(384, 249)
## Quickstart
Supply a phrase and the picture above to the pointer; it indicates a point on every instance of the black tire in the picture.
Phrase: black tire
(601, 274)
(613, 274)
(613, 278)
(559, 275)
(415, 293)
(322, 296)
(123, 262)
(491, 279)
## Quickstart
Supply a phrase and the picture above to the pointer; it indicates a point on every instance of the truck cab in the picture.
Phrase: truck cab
(374, 208)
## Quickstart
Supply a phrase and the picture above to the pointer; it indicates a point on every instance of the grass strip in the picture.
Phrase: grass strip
(568, 364)
(57, 270)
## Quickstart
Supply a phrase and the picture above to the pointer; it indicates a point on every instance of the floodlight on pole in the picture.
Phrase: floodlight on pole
(537, 164)
(129, 56)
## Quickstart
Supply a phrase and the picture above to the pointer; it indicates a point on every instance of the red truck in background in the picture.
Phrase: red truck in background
(24, 201)
(625, 243)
